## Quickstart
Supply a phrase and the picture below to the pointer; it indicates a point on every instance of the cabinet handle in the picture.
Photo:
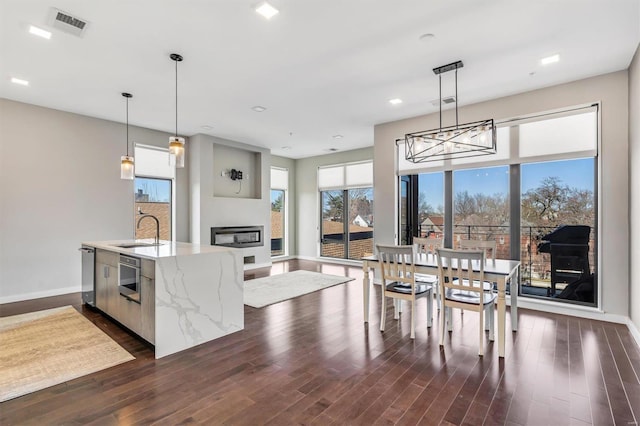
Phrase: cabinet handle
(106, 272)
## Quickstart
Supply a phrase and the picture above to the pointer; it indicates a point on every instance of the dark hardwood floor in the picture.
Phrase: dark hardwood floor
(311, 360)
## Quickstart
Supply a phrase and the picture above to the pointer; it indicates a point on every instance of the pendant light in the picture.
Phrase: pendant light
(176, 144)
(458, 141)
(126, 162)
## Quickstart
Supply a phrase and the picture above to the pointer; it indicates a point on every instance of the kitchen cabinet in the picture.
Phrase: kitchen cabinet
(137, 317)
(106, 282)
(148, 300)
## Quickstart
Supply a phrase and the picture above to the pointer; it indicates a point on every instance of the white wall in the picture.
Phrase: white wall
(612, 91)
(634, 189)
(226, 158)
(308, 203)
(208, 210)
(289, 164)
(60, 185)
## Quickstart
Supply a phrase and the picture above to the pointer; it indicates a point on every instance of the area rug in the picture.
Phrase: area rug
(261, 292)
(45, 348)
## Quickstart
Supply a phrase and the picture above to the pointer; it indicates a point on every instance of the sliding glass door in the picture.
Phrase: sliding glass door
(351, 238)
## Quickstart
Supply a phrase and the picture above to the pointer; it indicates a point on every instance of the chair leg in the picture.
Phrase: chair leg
(397, 308)
(430, 310)
(481, 335)
(383, 311)
(436, 292)
(449, 312)
(486, 322)
(443, 313)
(413, 319)
(491, 323)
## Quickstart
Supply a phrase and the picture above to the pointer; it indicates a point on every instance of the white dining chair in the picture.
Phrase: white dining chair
(399, 282)
(426, 247)
(456, 271)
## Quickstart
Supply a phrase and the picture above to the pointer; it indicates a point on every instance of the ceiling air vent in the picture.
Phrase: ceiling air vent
(445, 101)
(67, 23)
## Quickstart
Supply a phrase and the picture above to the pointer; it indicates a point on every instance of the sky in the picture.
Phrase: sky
(574, 173)
(159, 190)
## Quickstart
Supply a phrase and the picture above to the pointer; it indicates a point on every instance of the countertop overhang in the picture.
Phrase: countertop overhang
(165, 249)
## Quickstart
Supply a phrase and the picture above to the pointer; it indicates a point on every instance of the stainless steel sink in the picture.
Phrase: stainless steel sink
(134, 245)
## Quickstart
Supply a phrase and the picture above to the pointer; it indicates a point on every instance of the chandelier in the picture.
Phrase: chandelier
(458, 141)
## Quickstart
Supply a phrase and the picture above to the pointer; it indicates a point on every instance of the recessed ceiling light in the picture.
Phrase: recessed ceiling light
(206, 127)
(39, 32)
(286, 148)
(337, 136)
(258, 108)
(426, 37)
(395, 101)
(266, 10)
(550, 59)
(19, 81)
(331, 149)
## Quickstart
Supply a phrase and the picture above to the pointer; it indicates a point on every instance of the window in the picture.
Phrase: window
(153, 192)
(153, 196)
(431, 205)
(481, 207)
(539, 202)
(279, 186)
(558, 195)
(346, 202)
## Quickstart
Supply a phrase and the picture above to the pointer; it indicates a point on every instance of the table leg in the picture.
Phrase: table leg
(514, 298)
(365, 290)
(502, 314)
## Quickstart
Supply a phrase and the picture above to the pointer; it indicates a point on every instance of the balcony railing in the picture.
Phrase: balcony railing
(535, 267)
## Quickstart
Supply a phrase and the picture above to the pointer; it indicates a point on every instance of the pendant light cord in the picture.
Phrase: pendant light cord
(456, 98)
(176, 98)
(127, 127)
(440, 87)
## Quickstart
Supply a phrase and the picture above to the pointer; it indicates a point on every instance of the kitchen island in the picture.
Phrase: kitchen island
(186, 294)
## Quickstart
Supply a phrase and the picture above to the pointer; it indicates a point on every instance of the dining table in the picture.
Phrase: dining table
(500, 271)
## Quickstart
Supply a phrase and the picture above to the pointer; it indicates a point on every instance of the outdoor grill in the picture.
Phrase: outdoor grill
(568, 246)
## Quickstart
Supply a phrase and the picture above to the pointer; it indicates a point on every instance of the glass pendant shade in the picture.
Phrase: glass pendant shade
(176, 150)
(127, 168)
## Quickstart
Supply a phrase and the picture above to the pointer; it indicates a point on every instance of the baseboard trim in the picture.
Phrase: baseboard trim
(250, 266)
(348, 262)
(573, 311)
(634, 331)
(39, 294)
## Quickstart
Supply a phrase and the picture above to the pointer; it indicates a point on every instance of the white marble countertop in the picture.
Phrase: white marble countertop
(165, 249)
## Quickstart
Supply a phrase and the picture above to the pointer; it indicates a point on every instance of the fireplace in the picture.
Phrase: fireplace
(237, 236)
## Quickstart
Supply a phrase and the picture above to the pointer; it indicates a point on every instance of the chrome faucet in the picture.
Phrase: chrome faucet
(152, 217)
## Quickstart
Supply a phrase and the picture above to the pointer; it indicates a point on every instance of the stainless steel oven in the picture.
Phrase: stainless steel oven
(129, 277)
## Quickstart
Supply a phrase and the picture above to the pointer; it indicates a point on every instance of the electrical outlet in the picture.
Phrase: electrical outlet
(239, 175)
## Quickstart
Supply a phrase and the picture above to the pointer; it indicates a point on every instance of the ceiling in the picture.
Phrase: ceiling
(321, 68)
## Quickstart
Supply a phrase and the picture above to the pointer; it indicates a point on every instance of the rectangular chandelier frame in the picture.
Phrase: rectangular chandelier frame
(458, 141)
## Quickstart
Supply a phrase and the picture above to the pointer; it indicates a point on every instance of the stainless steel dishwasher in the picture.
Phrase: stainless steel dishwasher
(88, 275)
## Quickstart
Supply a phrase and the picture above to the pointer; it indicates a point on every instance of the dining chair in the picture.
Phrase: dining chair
(399, 282)
(428, 246)
(456, 269)
(485, 246)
